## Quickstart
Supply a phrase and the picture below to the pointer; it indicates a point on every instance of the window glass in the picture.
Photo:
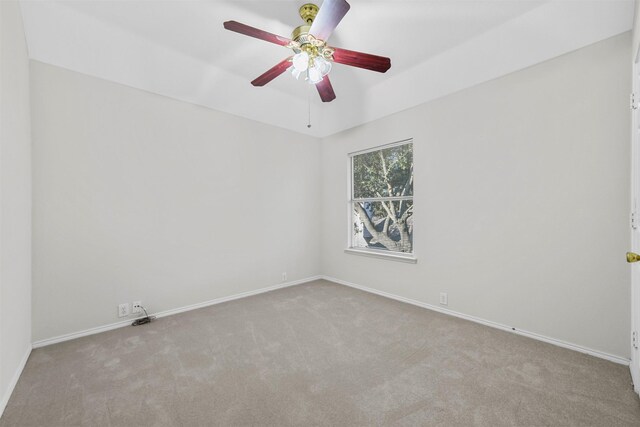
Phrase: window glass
(382, 199)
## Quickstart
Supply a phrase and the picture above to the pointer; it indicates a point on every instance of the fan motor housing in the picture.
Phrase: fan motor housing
(300, 34)
(308, 13)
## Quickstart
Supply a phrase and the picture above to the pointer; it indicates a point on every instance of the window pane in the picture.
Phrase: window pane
(384, 173)
(383, 225)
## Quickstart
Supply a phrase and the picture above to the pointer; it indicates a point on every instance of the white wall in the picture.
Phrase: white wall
(141, 197)
(521, 195)
(15, 200)
(636, 31)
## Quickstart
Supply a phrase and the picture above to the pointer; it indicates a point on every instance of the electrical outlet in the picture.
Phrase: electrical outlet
(444, 299)
(284, 276)
(136, 307)
(124, 309)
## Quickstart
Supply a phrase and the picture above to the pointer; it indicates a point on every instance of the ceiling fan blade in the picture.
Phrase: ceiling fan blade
(326, 90)
(272, 73)
(254, 32)
(362, 60)
(329, 16)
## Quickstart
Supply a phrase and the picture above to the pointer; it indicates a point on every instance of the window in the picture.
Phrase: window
(381, 200)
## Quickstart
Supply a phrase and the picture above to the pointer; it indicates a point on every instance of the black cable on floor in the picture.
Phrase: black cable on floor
(143, 320)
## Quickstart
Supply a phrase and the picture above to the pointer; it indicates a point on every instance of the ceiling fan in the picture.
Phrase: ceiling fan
(312, 56)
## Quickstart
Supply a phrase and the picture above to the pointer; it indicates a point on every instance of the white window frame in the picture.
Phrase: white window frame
(371, 252)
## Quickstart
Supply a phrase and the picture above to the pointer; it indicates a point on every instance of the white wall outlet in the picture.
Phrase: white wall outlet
(444, 299)
(124, 309)
(284, 276)
(136, 307)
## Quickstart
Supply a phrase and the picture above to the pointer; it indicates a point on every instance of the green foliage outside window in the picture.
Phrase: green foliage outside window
(382, 199)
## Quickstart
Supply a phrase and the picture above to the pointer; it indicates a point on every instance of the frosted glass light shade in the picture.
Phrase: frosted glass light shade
(295, 72)
(301, 61)
(314, 74)
(323, 65)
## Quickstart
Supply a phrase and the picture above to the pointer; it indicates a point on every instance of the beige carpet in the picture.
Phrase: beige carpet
(317, 354)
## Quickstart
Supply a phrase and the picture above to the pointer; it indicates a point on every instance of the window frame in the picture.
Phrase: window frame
(372, 252)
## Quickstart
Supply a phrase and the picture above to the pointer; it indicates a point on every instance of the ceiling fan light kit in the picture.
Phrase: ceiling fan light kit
(312, 57)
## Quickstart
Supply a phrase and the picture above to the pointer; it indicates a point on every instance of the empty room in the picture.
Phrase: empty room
(331, 213)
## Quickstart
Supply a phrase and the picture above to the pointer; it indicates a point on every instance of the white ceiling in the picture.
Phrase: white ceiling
(179, 48)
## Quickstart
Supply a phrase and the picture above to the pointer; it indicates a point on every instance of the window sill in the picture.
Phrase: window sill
(411, 259)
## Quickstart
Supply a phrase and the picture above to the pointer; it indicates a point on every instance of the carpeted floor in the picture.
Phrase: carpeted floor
(317, 354)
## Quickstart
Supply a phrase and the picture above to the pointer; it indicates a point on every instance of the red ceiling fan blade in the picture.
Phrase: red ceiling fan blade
(329, 16)
(361, 60)
(325, 90)
(254, 32)
(272, 73)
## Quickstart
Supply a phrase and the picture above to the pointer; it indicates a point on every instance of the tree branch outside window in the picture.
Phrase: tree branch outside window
(382, 199)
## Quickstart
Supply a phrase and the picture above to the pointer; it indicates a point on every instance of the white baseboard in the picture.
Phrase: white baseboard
(121, 324)
(559, 343)
(635, 376)
(475, 319)
(16, 376)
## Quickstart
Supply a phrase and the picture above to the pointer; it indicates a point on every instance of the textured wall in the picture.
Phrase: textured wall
(521, 195)
(15, 199)
(636, 31)
(141, 197)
